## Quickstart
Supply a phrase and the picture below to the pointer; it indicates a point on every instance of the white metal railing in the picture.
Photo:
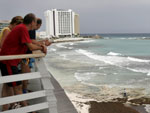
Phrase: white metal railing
(36, 54)
(46, 92)
(30, 108)
(49, 98)
(20, 77)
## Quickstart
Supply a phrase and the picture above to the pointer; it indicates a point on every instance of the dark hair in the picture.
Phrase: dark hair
(39, 21)
(29, 18)
(16, 20)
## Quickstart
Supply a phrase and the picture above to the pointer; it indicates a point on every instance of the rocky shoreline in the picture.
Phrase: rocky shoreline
(117, 105)
(121, 105)
(110, 107)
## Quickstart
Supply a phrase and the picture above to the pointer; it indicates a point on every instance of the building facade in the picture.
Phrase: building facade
(61, 23)
(76, 25)
(3, 23)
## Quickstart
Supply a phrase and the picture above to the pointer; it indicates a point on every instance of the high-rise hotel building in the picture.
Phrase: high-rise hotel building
(61, 23)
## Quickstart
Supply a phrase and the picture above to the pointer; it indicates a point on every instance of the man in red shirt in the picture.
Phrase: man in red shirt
(17, 42)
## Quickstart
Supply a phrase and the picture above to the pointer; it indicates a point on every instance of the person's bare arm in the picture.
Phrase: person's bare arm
(36, 42)
(48, 43)
(45, 42)
(5, 33)
(33, 47)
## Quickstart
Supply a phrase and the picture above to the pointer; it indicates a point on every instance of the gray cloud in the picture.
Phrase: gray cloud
(96, 16)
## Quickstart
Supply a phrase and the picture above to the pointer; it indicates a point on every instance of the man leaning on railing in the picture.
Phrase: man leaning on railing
(17, 42)
(26, 64)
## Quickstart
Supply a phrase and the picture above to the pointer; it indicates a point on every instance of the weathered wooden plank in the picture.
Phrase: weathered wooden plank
(22, 97)
(30, 108)
(19, 77)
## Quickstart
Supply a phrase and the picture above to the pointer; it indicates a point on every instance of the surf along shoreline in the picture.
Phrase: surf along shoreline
(117, 105)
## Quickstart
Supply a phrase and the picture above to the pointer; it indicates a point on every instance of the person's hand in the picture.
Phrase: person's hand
(48, 43)
(44, 49)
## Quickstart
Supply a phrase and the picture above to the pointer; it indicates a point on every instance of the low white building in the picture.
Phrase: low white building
(61, 23)
(4, 23)
(42, 34)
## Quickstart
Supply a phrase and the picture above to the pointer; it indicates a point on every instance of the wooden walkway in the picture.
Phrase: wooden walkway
(47, 95)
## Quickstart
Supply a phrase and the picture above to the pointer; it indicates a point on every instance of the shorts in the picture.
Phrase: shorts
(10, 70)
(28, 62)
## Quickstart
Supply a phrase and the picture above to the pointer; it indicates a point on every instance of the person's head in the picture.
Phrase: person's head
(16, 20)
(30, 21)
(38, 23)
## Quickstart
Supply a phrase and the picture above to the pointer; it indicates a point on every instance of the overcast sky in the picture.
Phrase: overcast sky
(96, 16)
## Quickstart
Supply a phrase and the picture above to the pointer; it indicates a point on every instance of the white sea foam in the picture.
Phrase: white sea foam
(143, 37)
(140, 70)
(112, 60)
(100, 68)
(79, 102)
(101, 85)
(114, 54)
(117, 61)
(133, 38)
(148, 74)
(109, 92)
(52, 49)
(84, 76)
(71, 43)
(147, 108)
(130, 38)
(61, 45)
(70, 47)
(106, 38)
(64, 56)
(87, 41)
(122, 38)
(138, 60)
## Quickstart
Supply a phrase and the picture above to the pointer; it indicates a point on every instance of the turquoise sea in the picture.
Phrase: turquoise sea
(103, 69)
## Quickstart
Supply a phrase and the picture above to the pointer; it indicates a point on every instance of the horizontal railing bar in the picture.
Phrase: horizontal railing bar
(29, 108)
(22, 97)
(19, 77)
(22, 56)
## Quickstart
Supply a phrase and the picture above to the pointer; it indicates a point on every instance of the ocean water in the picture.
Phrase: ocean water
(103, 69)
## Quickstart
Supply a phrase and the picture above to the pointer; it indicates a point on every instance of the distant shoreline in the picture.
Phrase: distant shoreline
(68, 40)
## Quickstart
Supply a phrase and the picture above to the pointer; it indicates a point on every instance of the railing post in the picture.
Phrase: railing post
(47, 85)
